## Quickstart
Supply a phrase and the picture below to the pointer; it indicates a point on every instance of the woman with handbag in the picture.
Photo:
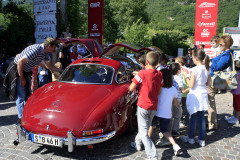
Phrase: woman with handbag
(219, 63)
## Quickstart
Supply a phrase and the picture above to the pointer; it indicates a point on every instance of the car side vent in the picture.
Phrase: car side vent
(96, 62)
(85, 61)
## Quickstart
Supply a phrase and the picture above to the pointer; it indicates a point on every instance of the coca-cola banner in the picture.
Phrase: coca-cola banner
(206, 23)
(95, 20)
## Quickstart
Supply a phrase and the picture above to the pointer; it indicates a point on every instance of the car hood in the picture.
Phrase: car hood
(65, 106)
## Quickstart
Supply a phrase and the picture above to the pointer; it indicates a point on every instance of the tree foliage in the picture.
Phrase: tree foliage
(170, 41)
(137, 34)
(228, 13)
(19, 27)
(163, 23)
(172, 15)
(180, 15)
(77, 17)
(110, 25)
(120, 14)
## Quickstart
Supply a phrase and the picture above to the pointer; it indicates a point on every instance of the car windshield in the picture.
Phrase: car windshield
(88, 74)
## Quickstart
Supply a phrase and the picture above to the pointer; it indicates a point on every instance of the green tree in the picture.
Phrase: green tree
(124, 13)
(170, 41)
(172, 15)
(180, 15)
(19, 27)
(137, 34)
(110, 25)
(228, 13)
(77, 18)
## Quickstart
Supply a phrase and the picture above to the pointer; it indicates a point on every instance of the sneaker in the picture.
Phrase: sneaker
(200, 142)
(187, 139)
(163, 142)
(181, 124)
(229, 118)
(177, 150)
(135, 146)
(237, 124)
(175, 134)
(233, 121)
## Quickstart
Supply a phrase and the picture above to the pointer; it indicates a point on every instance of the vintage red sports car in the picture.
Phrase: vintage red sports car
(89, 104)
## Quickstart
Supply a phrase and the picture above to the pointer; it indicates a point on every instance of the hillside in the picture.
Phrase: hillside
(180, 15)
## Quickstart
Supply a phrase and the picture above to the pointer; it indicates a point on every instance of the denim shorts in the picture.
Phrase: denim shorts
(163, 123)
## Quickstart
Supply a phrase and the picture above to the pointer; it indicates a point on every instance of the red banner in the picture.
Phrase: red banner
(95, 20)
(206, 23)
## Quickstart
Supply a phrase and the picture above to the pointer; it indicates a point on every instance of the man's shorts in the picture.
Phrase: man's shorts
(163, 123)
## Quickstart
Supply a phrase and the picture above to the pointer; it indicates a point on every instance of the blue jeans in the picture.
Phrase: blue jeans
(21, 97)
(43, 79)
(144, 119)
(202, 125)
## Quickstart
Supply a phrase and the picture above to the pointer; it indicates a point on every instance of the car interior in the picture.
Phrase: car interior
(128, 64)
(122, 76)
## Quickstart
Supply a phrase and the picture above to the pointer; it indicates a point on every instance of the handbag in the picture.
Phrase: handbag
(226, 79)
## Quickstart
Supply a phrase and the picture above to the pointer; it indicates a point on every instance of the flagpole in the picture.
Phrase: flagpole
(239, 19)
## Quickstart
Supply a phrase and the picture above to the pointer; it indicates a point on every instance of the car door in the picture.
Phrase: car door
(127, 98)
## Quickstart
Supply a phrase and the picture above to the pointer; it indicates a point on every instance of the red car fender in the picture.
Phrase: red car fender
(112, 114)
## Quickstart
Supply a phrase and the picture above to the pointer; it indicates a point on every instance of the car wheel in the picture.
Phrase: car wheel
(132, 119)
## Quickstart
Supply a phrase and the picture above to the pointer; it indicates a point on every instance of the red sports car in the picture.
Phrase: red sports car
(90, 102)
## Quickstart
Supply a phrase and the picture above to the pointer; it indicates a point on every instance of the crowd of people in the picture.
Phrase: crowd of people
(181, 90)
(168, 94)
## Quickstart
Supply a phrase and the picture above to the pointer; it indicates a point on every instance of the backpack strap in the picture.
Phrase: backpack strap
(233, 66)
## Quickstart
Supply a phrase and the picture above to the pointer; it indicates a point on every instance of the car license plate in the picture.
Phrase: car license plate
(45, 140)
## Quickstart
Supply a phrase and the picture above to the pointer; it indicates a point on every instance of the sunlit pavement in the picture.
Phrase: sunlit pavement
(220, 145)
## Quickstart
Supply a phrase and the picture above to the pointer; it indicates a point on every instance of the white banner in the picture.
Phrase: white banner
(45, 26)
(42, 6)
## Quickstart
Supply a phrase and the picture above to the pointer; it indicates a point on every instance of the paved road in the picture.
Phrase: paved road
(221, 145)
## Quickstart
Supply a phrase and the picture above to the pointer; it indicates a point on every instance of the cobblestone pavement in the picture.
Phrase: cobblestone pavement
(221, 145)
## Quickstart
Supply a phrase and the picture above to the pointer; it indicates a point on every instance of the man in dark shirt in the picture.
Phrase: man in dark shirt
(63, 55)
(189, 60)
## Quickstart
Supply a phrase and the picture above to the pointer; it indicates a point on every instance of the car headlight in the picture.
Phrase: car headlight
(92, 132)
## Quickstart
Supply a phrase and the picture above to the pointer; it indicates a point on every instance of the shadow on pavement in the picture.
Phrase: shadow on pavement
(112, 149)
(6, 105)
(8, 120)
(168, 154)
(120, 146)
(225, 131)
